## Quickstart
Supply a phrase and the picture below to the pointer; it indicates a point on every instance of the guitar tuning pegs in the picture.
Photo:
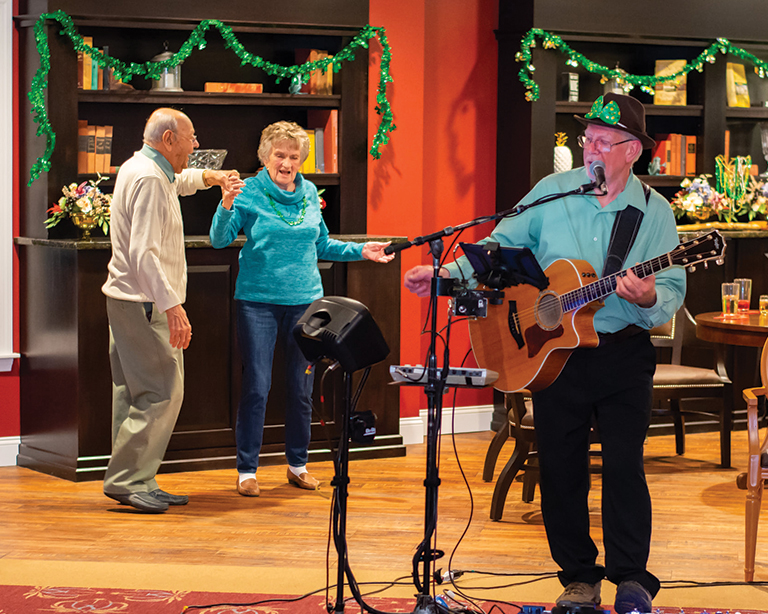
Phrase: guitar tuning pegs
(720, 261)
(706, 265)
(692, 268)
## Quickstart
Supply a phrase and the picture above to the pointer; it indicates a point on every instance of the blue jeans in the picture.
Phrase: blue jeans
(259, 327)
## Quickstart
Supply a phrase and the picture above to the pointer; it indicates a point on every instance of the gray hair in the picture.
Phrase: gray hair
(279, 132)
(160, 121)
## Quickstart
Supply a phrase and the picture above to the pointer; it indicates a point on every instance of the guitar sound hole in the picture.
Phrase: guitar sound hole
(549, 313)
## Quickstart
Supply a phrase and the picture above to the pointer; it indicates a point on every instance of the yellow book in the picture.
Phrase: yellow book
(671, 92)
(87, 65)
(736, 85)
(309, 164)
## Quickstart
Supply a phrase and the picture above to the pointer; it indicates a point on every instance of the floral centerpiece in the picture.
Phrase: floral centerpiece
(736, 195)
(85, 205)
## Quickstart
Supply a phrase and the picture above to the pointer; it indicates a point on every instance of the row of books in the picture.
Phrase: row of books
(323, 142)
(94, 149)
(676, 153)
(91, 76)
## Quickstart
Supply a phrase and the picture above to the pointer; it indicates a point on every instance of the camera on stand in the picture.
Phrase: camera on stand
(473, 303)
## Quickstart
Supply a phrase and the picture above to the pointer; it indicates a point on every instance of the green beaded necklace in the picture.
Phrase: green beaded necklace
(281, 216)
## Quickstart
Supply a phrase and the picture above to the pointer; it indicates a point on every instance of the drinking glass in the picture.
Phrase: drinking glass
(730, 294)
(745, 293)
(764, 304)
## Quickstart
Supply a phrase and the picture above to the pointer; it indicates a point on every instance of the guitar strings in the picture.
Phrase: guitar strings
(583, 295)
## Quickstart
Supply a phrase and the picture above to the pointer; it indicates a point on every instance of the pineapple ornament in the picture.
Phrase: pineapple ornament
(563, 155)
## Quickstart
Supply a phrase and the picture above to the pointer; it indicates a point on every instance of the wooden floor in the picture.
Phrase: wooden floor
(48, 523)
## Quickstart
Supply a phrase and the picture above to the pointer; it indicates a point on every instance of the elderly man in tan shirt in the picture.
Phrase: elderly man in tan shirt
(145, 289)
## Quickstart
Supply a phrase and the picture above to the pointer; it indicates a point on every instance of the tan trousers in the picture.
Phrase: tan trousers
(147, 392)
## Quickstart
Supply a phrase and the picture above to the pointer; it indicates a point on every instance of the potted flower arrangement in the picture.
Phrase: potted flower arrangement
(737, 196)
(85, 205)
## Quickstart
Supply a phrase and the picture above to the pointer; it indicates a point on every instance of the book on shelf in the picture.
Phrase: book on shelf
(87, 65)
(308, 166)
(675, 148)
(106, 164)
(82, 146)
(234, 88)
(98, 165)
(91, 166)
(727, 145)
(328, 120)
(671, 92)
(690, 155)
(320, 82)
(736, 85)
(319, 150)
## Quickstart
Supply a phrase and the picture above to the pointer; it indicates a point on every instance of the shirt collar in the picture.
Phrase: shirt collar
(160, 160)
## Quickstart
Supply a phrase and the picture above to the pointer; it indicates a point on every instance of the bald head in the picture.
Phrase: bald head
(160, 121)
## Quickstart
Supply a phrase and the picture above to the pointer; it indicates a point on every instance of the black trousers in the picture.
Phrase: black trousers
(611, 385)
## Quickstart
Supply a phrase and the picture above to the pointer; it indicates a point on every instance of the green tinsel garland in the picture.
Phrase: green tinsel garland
(645, 82)
(125, 72)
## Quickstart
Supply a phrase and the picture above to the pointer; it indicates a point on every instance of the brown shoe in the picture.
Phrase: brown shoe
(248, 488)
(305, 481)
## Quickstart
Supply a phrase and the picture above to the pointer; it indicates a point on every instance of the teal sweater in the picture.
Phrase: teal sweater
(278, 263)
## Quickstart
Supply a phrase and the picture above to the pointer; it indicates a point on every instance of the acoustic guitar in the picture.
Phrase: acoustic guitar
(528, 337)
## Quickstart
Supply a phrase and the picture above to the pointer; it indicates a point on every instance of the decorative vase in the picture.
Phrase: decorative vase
(84, 222)
(563, 159)
(563, 155)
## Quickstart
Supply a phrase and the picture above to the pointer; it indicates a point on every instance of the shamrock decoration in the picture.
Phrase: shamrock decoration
(609, 113)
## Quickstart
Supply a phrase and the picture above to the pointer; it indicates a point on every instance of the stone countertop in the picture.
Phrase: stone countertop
(190, 241)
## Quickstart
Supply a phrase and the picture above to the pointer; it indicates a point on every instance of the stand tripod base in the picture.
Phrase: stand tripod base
(425, 605)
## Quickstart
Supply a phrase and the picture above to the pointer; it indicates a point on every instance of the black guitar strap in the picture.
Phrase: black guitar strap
(625, 229)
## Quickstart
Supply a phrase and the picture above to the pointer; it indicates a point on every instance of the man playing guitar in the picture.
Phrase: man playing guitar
(611, 384)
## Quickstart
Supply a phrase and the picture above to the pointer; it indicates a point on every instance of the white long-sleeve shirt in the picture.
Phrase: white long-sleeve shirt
(148, 263)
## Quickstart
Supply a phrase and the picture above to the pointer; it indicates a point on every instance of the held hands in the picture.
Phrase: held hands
(231, 185)
(373, 250)
(419, 279)
(641, 292)
(181, 329)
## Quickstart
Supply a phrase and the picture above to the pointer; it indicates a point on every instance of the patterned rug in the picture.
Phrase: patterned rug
(62, 600)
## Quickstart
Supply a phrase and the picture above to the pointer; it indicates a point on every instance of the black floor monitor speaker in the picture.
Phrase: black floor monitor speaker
(342, 329)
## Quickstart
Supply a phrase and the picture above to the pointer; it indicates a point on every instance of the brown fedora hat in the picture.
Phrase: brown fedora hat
(621, 113)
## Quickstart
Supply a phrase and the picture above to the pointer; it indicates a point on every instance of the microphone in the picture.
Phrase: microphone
(597, 168)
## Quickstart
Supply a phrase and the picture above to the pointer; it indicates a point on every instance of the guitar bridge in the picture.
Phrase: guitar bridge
(514, 324)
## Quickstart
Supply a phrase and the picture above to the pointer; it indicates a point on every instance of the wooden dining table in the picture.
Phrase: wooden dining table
(749, 329)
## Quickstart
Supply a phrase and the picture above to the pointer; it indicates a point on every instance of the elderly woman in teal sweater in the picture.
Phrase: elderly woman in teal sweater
(279, 212)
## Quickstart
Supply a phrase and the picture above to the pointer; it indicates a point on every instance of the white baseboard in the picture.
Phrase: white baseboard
(466, 420)
(413, 430)
(9, 449)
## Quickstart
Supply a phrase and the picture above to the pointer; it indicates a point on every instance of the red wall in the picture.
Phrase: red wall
(9, 382)
(439, 168)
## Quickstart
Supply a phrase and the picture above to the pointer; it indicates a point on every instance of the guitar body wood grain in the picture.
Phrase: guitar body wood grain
(540, 360)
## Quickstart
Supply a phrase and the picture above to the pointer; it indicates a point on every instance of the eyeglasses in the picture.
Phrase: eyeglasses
(601, 145)
(192, 138)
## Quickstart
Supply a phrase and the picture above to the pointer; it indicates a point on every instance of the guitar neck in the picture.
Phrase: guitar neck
(605, 286)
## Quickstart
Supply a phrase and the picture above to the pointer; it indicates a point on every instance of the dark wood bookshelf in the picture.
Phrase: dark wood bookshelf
(65, 379)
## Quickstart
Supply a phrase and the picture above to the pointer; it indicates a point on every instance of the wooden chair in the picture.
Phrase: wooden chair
(520, 426)
(524, 457)
(675, 382)
(757, 467)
